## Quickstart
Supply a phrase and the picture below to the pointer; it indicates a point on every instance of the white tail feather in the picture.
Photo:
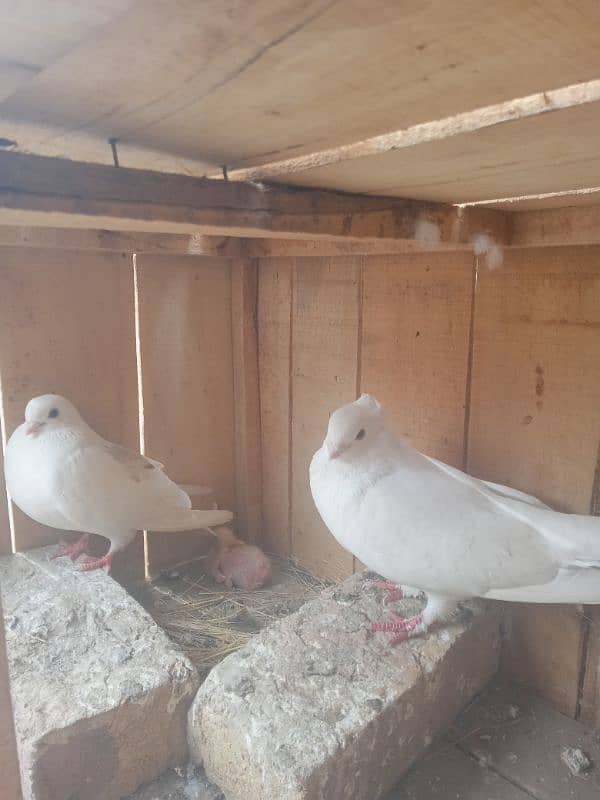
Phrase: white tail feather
(191, 519)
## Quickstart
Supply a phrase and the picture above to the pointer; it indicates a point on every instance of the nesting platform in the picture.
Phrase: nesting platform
(316, 707)
(100, 694)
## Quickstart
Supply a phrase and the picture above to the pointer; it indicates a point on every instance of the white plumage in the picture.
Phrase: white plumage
(63, 474)
(420, 522)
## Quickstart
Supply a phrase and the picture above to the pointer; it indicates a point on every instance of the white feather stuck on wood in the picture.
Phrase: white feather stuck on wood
(427, 231)
(483, 244)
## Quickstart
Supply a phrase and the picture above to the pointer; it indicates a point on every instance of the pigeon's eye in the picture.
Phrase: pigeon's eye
(53, 413)
(361, 434)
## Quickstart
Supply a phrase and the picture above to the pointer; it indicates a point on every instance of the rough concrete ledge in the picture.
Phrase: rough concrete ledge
(100, 695)
(319, 708)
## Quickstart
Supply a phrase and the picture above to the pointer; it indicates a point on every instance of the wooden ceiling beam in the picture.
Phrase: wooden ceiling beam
(52, 192)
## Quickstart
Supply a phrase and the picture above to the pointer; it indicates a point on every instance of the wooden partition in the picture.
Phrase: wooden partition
(68, 325)
(396, 326)
(496, 371)
(535, 424)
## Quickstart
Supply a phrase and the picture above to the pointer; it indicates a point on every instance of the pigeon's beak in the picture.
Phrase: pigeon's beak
(34, 428)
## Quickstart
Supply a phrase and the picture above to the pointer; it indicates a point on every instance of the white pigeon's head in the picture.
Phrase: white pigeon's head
(49, 412)
(354, 427)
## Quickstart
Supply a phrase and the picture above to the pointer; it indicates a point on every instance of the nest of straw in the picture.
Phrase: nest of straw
(208, 622)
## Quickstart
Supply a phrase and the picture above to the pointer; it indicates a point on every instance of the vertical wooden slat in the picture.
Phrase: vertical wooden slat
(415, 346)
(67, 326)
(187, 379)
(11, 781)
(244, 299)
(535, 422)
(274, 358)
(5, 537)
(325, 328)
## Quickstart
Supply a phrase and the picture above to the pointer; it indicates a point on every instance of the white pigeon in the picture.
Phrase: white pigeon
(422, 523)
(61, 473)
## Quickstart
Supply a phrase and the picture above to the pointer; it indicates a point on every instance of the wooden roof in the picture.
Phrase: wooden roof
(187, 86)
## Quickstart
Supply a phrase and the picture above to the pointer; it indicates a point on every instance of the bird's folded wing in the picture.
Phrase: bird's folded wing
(103, 485)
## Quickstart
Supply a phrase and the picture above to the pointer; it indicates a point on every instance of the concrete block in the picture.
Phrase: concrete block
(317, 707)
(100, 695)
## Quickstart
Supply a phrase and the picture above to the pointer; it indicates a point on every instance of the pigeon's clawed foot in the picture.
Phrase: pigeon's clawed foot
(73, 550)
(394, 592)
(97, 563)
(402, 628)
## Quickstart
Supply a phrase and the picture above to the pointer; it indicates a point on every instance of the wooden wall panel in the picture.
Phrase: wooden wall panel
(275, 277)
(67, 326)
(187, 379)
(535, 421)
(325, 332)
(415, 346)
(5, 536)
(244, 304)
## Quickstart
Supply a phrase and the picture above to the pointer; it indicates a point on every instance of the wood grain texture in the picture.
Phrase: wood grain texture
(53, 192)
(5, 534)
(187, 379)
(535, 421)
(67, 326)
(275, 279)
(11, 781)
(244, 326)
(211, 86)
(120, 241)
(415, 346)
(325, 331)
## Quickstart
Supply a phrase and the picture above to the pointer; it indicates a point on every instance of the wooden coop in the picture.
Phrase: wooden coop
(221, 221)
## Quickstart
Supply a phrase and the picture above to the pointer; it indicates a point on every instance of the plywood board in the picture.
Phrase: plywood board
(325, 336)
(545, 153)
(415, 346)
(535, 417)
(187, 383)
(275, 278)
(67, 326)
(5, 535)
(211, 84)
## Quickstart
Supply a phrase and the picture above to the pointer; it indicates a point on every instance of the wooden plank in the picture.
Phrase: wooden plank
(5, 535)
(415, 346)
(535, 405)
(11, 781)
(545, 153)
(32, 36)
(446, 772)
(244, 309)
(212, 87)
(520, 737)
(325, 338)
(275, 278)
(187, 383)
(557, 226)
(52, 192)
(67, 326)
(589, 704)
(121, 241)
(438, 130)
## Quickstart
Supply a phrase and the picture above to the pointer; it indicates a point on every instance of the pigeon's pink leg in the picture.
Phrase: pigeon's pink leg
(401, 628)
(394, 592)
(73, 550)
(97, 563)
